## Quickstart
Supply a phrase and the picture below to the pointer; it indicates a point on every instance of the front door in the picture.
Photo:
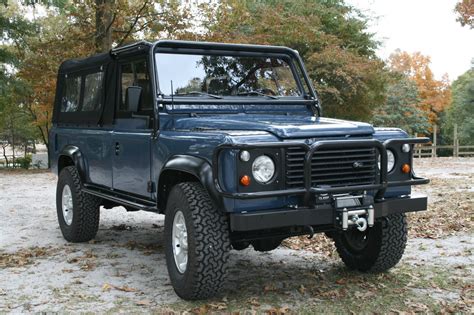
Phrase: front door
(132, 133)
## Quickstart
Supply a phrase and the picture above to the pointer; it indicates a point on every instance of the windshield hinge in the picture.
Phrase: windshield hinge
(150, 187)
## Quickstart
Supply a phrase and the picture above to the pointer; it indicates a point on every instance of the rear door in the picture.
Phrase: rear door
(131, 138)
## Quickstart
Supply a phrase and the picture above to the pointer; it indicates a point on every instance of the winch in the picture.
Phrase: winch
(355, 211)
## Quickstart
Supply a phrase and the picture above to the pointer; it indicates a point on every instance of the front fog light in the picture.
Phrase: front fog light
(244, 156)
(263, 169)
(406, 148)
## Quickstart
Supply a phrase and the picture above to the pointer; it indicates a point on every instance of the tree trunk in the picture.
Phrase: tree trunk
(104, 17)
(13, 138)
(5, 154)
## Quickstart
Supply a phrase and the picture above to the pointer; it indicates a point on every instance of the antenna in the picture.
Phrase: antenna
(172, 98)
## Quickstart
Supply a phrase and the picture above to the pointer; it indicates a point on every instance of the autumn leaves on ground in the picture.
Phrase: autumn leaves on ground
(124, 269)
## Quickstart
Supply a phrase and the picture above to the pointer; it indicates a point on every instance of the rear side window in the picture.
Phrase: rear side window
(88, 100)
(72, 94)
(93, 84)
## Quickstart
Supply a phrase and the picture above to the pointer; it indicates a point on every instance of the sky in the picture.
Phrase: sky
(427, 26)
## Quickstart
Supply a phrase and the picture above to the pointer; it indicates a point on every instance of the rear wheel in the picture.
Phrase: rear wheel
(375, 250)
(197, 242)
(78, 212)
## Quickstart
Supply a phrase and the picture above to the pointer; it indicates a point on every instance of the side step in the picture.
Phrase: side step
(136, 203)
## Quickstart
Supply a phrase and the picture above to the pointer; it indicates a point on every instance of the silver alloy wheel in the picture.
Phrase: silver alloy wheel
(67, 205)
(180, 241)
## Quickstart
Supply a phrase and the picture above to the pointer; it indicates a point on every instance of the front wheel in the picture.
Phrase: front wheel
(375, 250)
(197, 242)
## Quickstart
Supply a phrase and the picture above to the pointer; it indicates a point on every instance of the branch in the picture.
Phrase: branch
(133, 24)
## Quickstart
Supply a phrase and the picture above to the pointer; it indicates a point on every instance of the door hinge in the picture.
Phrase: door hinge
(151, 187)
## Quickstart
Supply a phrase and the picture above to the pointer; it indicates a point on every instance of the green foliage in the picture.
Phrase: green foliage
(402, 108)
(461, 111)
(25, 162)
(330, 36)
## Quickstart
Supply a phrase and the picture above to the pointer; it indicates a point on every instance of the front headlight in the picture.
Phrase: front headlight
(390, 161)
(263, 169)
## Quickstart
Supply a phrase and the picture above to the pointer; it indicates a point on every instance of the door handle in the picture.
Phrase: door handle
(117, 148)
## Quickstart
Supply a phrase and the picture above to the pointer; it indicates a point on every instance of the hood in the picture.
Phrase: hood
(282, 126)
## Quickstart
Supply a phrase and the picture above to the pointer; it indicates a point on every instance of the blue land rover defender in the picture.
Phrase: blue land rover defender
(227, 141)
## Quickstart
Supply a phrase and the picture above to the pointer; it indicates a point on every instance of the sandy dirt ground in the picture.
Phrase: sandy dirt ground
(124, 270)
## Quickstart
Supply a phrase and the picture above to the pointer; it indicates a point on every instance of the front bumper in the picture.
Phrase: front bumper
(318, 216)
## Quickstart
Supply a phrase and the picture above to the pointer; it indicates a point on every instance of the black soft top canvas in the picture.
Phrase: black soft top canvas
(79, 67)
(73, 65)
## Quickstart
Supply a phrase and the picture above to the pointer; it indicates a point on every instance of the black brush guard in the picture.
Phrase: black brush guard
(316, 216)
(308, 190)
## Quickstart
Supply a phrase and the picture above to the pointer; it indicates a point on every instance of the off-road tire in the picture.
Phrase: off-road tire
(86, 208)
(207, 238)
(266, 245)
(384, 248)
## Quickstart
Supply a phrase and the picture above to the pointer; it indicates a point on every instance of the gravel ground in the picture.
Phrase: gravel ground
(124, 268)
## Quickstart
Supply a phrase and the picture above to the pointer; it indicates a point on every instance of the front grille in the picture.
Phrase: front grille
(332, 167)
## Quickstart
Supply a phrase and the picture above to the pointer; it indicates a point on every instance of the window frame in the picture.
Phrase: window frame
(289, 59)
(126, 114)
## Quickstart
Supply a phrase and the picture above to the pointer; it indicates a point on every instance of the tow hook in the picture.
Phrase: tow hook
(360, 222)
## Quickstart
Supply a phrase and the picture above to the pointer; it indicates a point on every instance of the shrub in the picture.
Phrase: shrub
(24, 162)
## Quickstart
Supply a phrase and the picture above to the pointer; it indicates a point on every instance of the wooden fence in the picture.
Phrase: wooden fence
(431, 150)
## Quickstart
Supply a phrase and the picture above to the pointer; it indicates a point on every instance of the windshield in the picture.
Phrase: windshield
(218, 76)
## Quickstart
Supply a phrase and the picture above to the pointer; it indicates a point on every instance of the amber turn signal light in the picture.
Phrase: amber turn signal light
(245, 180)
(406, 168)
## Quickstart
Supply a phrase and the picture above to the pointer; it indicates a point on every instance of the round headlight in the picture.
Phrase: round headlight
(390, 161)
(263, 169)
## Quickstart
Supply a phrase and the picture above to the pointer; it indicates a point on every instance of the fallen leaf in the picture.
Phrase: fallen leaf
(144, 302)
(106, 287)
(341, 281)
(302, 289)
(125, 289)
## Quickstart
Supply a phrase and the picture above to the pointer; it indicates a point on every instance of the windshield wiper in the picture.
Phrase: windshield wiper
(198, 93)
(258, 93)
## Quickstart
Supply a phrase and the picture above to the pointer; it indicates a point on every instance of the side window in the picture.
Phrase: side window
(72, 94)
(126, 80)
(93, 86)
(136, 74)
(142, 78)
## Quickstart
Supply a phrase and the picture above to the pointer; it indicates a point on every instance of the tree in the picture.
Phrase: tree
(108, 23)
(461, 111)
(402, 107)
(435, 95)
(330, 36)
(78, 29)
(16, 129)
(13, 28)
(465, 13)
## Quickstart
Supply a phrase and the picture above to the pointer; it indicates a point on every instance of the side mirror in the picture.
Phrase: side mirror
(133, 97)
